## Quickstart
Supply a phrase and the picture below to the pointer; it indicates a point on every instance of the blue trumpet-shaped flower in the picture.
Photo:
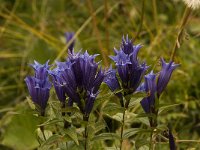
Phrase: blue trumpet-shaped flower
(150, 87)
(39, 86)
(129, 69)
(41, 71)
(58, 85)
(165, 75)
(155, 87)
(111, 79)
(69, 36)
(80, 78)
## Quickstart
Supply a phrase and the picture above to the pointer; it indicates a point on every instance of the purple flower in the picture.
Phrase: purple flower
(164, 75)
(69, 36)
(41, 71)
(58, 85)
(129, 68)
(80, 78)
(90, 102)
(111, 79)
(148, 102)
(151, 87)
(130, 49)
(39, 86)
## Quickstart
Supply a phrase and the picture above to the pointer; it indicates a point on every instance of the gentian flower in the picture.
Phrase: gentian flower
(128, 67)
(39, 85)
(69, 36)
(154, 87)
(58, 85)
(150, 87)
(111, 79)
(80, 78)
(164, 75)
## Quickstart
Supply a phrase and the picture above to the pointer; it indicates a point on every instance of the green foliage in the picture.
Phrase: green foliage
(34, 30)
(20, 133)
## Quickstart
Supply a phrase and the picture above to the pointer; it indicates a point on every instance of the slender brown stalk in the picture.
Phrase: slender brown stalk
(179, 37)
(96, 30)
(141, 21)
(155, 14)
(106, 25)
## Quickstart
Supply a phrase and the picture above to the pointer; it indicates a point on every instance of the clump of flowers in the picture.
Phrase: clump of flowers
(79, 78)
(39, 85)
(154, 88)
(128, 68)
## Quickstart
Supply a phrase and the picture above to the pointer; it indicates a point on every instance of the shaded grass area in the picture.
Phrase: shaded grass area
(34, 30)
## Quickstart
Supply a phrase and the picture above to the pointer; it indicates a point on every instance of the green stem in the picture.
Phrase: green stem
(122, 130)
(85, 135)
(42, 127)
(151, 140)
(86, 118)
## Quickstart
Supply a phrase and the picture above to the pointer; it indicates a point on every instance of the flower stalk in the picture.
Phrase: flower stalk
(122, 130)
(86, 118)
(180, 35)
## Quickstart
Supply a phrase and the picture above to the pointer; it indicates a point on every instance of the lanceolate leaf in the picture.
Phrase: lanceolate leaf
(130, 132)
(71, 132)
(167, 108)
(106, 136)
(20, 133)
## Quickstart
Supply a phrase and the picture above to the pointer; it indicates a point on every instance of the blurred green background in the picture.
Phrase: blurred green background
(34, 30)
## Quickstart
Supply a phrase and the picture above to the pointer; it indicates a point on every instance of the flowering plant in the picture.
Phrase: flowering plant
(77, 83)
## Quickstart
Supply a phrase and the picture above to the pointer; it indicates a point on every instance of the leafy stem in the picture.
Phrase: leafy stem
(127, 101)
(122, 130)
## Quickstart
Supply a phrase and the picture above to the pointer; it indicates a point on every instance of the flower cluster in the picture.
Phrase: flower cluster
(39, 85)
(154, 88)
(129, 69)
(79, 78)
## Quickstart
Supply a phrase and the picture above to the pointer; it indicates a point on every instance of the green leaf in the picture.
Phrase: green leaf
(130, 132)
(20, 133)
(30, 102)
(53, 139)
(162, 127)
(141, 144)
(134, 102)
(106, 136)
(71, 132)
(167, 108)
(99, 126)
(51, 121)
(118, 117)
(112, 109)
